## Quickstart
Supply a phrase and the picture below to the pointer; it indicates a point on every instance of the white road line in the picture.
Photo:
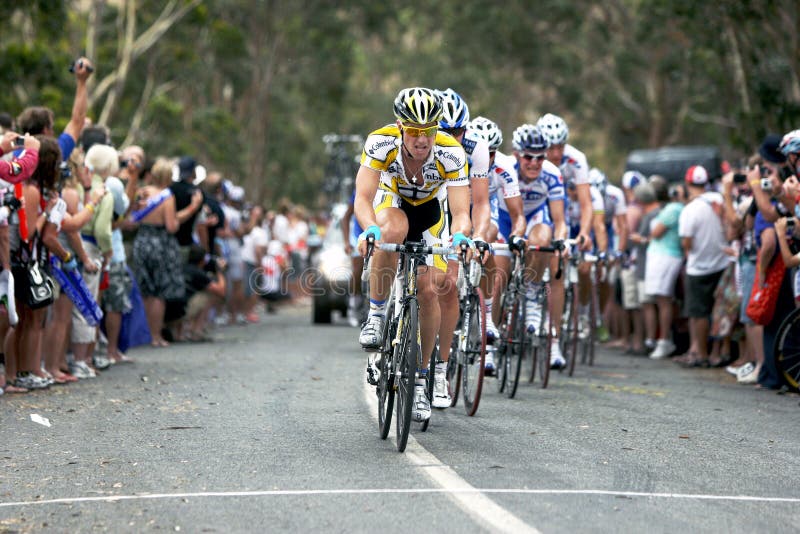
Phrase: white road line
(400, 491)
(482, 509)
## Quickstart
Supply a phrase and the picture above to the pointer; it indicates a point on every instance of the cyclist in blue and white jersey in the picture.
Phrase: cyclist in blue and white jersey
(455, 117)
(500, 180)
(543, 195)
(574, 167)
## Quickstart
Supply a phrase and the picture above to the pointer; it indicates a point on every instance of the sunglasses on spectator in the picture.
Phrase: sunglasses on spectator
(416, 131)
(530, 156)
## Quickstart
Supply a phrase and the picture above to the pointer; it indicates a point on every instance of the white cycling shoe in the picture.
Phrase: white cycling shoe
(422, 406)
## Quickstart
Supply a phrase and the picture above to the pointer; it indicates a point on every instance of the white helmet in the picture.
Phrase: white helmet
(554, 128)
(598, 179)
(488, 130)
(455, 113)
(529, 137)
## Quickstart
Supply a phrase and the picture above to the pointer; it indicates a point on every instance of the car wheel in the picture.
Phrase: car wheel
(322, 313)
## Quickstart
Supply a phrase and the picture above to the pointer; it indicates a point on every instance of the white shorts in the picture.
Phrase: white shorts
(661, 273)
(630, 293)
(643, 295)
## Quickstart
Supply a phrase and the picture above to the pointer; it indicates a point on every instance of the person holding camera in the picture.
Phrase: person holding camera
(37, 120)
(22, 165)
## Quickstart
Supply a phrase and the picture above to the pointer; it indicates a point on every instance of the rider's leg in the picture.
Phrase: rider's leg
(449, 309)
(430, 282)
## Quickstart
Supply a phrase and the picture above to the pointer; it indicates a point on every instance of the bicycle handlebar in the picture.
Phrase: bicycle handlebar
(404, 248)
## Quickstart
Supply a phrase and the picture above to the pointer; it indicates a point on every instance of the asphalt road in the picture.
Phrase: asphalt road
(272, 428)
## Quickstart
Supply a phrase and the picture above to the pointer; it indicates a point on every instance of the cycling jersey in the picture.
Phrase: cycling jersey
(574, 166)
(536, 195)
(614, 203)
(446, 165)
(500, 179)
(477, 150)
(572, 211)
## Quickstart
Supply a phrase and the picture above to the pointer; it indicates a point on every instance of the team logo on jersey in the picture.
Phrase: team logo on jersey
(452, 157)
(469, 145)
(379, 145)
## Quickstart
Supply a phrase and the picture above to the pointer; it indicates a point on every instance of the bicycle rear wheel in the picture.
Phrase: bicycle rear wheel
(545, 340)
(569, 332)
(406, 358)
(516, 347)
(506, 334)
(474, 357)
(787, 349)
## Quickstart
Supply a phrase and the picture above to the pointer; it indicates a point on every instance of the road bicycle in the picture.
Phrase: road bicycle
(401, 355)
(787, 349)
(516, 344)
(465, 368)
(578, 336)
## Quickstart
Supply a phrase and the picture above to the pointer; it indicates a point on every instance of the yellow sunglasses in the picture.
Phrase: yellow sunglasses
(414, 131)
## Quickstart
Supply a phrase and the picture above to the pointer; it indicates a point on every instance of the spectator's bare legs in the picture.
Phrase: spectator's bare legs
(30, 358)
(755, 340)
(664, 305)
(113, 327)
(650, 320)
(637, 340)
(56, 338)
(11, 349)
(698, 331)
(154, 309)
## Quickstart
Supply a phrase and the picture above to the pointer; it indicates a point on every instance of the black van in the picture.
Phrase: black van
(671, 162)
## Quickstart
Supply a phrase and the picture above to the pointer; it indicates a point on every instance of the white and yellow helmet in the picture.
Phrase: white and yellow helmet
(418, 105)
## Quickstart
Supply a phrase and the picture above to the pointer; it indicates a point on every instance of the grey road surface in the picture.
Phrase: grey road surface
(272, 428)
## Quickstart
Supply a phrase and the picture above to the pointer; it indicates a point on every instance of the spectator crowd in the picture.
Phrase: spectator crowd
(712, 270)
(103, 248)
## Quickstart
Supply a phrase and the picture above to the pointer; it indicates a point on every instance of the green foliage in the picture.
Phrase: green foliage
(250, 86)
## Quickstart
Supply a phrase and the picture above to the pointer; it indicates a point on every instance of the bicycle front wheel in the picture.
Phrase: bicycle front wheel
(569, 331)
(386, 380)
(435, 358)
(787, 349)
(406, 355)
(474, 357)
(508, 318)
(454, 369)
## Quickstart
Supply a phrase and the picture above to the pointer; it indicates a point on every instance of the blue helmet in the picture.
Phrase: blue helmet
(455, 113)
(790, 144)
(529, 137)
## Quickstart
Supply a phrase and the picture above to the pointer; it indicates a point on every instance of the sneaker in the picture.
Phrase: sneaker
(101, 362)
(533, 313)
(489, 367)
(441, 393)
(81, 370)
(748, 378)
(30, 380)
(373, 368)
(557, 361)
(422, 406)
(602, 334)
(371, 336)
(650, 345)
(492, 334)
(664, 348)
(745, 370)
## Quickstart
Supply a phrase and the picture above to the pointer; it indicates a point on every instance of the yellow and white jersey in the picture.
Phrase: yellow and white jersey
(446, 165)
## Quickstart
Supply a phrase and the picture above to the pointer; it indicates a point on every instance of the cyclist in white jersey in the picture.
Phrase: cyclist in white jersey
(500, 180)
(408, 171)
(616, 223)
(600, 239)
(455, 117)
(543, 205)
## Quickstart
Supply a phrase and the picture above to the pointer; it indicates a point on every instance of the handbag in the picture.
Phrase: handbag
(41, 290)
(763, 300)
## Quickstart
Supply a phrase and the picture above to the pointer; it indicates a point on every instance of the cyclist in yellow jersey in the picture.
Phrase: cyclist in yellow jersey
(408, 170)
